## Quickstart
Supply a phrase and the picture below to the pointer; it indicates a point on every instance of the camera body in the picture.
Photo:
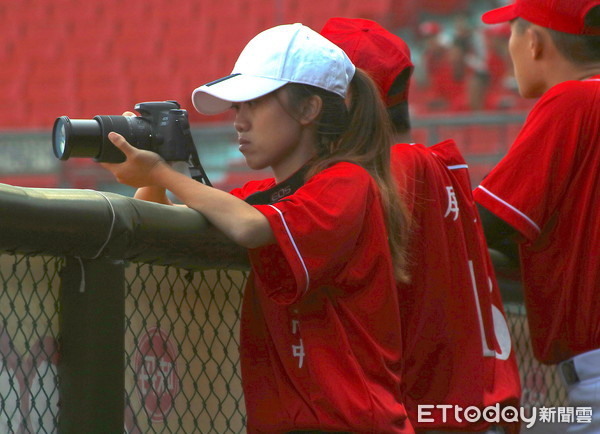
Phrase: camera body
(162, 127)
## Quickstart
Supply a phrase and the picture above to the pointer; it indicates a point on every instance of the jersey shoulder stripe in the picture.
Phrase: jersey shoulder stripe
(289, 234)
(511, 207)
(458, 166)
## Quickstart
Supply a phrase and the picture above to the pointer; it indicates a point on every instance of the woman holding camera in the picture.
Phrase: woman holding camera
(320, 330)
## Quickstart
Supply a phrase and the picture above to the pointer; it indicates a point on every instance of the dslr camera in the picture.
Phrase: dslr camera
(162, 127)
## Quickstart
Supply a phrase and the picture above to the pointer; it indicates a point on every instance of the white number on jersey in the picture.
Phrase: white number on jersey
(501, 331)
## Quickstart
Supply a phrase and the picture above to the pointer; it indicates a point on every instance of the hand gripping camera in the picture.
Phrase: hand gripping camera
(162, 127)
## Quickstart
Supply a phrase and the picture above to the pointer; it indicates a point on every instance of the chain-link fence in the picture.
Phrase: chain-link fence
(181, 349)
(541, 384)
(182, 372)
(28, 343)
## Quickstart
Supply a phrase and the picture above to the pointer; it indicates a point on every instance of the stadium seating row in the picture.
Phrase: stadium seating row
(83, 58)
(86, 57)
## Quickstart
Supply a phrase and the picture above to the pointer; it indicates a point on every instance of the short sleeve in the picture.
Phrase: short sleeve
(252, 187)
(525, 188)
(316, 231)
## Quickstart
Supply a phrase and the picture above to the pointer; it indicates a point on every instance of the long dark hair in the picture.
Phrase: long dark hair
(360, 133)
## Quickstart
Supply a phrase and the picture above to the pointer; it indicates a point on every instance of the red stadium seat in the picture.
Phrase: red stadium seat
(50, 91)
(192, 41)
(37, 47)
(177, 14)
(102, 90)
(92, 22)
(135, 44)
(184, 42)
(156, 87)
(12, 87)
(87, 47)
(26, 13)
(12, 79)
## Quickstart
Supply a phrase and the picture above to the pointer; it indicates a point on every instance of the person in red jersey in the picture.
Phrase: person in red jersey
(321, 348)
(457, 347)
(543, 195)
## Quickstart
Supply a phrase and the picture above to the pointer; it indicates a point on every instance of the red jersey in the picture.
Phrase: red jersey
(547, 187)
(457, 345)
(320, 331)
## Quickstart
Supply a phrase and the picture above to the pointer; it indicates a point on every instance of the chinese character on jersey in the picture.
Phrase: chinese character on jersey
(298, 351)
(452, 203)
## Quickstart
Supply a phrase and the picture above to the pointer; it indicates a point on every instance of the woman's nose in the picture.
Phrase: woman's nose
(240, 121)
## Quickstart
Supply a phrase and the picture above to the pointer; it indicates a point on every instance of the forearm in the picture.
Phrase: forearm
(153, 194)
(502, 240)
(506, 267)
(241, 222)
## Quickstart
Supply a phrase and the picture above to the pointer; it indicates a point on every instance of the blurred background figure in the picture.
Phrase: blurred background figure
(441, 69)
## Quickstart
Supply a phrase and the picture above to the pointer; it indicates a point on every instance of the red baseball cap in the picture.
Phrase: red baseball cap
(561, 15)
(372, 48)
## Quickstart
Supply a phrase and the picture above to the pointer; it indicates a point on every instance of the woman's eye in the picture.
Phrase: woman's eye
(250, 104)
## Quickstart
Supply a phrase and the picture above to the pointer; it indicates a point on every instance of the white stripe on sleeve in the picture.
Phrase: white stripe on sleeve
(531, 222)
(295, 246)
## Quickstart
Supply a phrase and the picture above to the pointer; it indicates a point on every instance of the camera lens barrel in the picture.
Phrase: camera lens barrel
(76, 138)
(88, 138)
(127, 127)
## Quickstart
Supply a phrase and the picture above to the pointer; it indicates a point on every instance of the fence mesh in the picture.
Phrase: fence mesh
(541, 384)
(181, 341)
(182, 350)
(28, 343)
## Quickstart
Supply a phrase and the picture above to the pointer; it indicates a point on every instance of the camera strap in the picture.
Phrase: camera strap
(196, 170)
(197, 173)
(279, 191)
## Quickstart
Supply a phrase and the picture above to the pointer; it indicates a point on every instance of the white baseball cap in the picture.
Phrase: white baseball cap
(290, 53)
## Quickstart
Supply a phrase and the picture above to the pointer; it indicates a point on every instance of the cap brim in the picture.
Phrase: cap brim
(218, 96)
(500, 15)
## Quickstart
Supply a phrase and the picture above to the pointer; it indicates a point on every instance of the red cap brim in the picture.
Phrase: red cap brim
(500, 15)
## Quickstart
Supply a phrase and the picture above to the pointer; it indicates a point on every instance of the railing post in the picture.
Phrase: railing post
(92, 347)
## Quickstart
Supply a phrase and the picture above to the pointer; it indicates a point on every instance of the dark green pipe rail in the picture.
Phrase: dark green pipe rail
(91, 224)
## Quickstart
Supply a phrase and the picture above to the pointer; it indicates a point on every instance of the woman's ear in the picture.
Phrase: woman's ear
(311, 109)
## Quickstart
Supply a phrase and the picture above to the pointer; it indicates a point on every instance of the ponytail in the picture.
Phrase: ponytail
(362, 134)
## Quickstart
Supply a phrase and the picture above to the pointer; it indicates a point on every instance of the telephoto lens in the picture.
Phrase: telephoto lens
(76, 138)
(88, 138)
